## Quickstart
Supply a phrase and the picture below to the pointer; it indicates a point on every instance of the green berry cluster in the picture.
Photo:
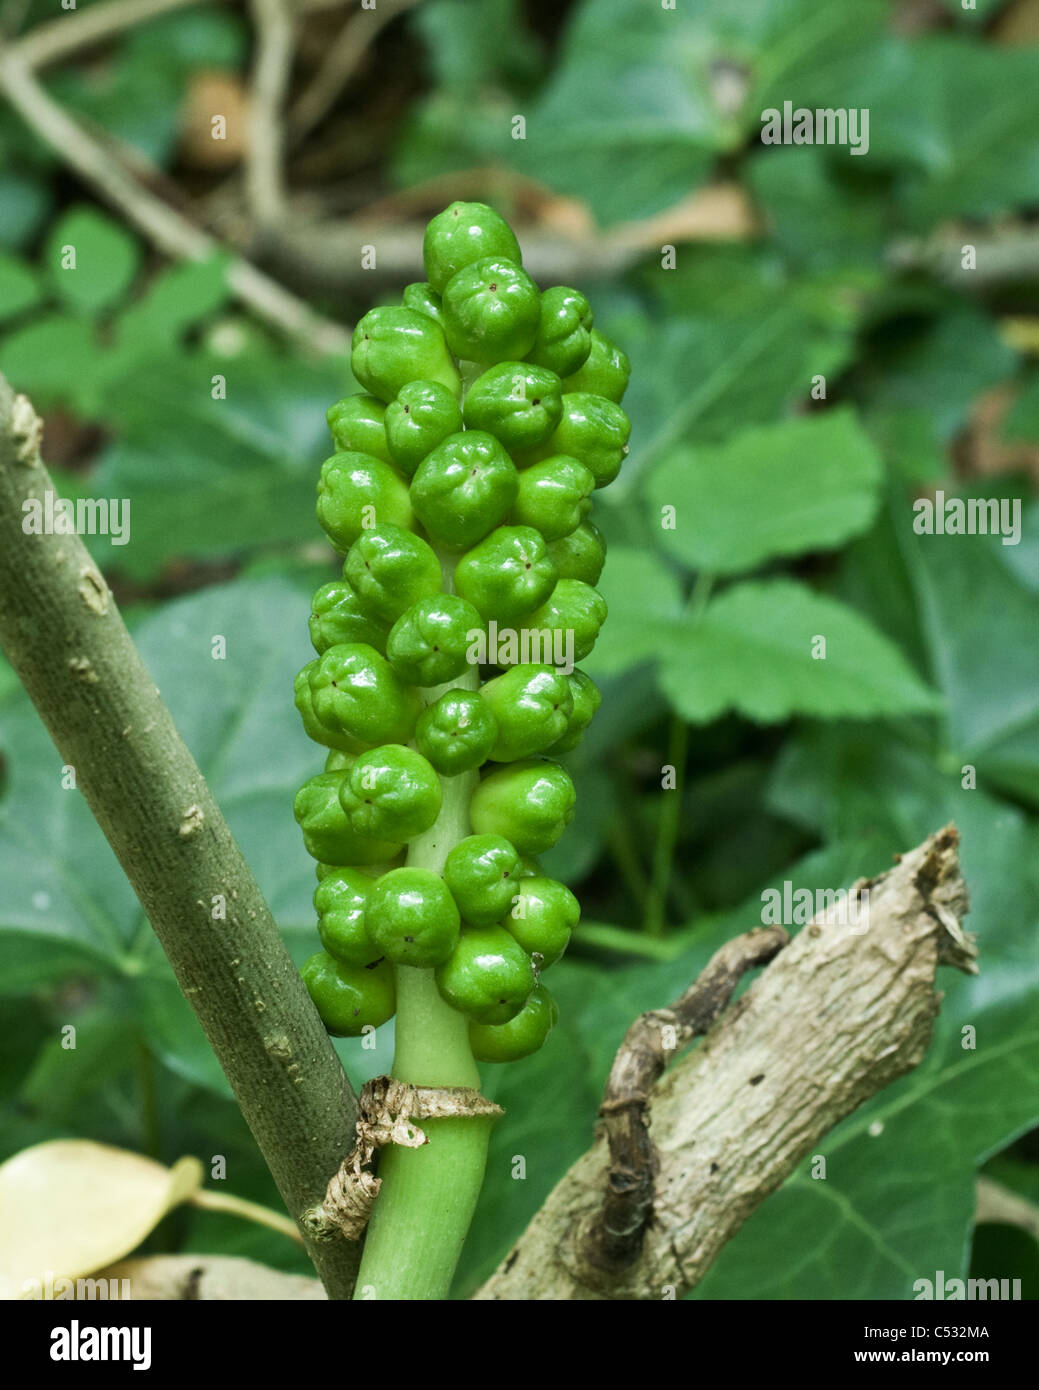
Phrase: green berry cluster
(459, 496)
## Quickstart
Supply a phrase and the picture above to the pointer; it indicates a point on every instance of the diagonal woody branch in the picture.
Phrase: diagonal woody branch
(834, 1018)
(65, 638)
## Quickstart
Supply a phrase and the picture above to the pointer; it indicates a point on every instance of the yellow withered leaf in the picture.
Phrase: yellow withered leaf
(70, 1206)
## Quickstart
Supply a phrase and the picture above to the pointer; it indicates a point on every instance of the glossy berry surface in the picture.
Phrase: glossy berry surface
(390, 793)
(457, 732)
(357, 426)
(492, 310)
(564, 336)
(530, 803)
(604, 372)
(356, 492)
(327, 833)
(389, 569)
(532, 705)
(464, 233)
(430, 641)
(350, 998)
(412, 917)
(482, 872)
(521, 1036)
(392, 346)
(339, 901)
(543, 914)
(464, 488)
(518, 403)
(421, 417)
(508, 575)
(488, 975)
(356, 691)
(337, 616)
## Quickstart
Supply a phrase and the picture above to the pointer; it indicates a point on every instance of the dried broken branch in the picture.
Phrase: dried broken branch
(837, 1016)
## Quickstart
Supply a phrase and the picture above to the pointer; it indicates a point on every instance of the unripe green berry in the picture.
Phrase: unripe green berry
(391, 793)
(573, 607)
(334, 738)
(464, 488)
(356, 691)
(357, 426)
(336, 615)
(586, 700)
(488, 975)
(482, 872)
(530, 803)
(508, 574)
(521, 1036)
(392, 346)
(581, 554)
(457, 732)
(492, 310)
(327, 834)
(529, 867)
(554, 496)
(544, 912)
(605, 371)
(429, 642)
(593, 430)
(339, 900)
(412, 917)
(423, 299)
(532, 705)
(421, 417)
(389, 569)
(356, 492)
(350, 998)
(564, 336)
(518, 403)
(464, 233)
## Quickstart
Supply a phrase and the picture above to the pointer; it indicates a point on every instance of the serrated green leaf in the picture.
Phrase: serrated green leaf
(752, 651)
(778, 490)
(90, 260)
(644, 601)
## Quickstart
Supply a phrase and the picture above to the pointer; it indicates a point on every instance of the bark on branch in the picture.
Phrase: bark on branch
(838, 1015)
(67, 643)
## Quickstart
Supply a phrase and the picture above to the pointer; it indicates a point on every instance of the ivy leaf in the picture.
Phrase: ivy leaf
(54, 359)
(106, 259)
(804, 484)
(752, 651)
(67, 907)
(19, 287)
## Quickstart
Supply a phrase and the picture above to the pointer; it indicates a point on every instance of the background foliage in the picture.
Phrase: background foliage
(794, 518)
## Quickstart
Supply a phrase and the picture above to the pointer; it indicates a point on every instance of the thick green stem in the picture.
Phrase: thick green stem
(65, 638)
(428, 1195)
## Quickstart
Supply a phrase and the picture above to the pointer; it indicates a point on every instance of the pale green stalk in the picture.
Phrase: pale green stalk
(425, 1205)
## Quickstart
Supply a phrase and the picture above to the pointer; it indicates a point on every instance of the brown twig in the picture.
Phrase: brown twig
(264, 167)
(339, 65)
(49, 43)
(170, 231)
(649, 1045)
